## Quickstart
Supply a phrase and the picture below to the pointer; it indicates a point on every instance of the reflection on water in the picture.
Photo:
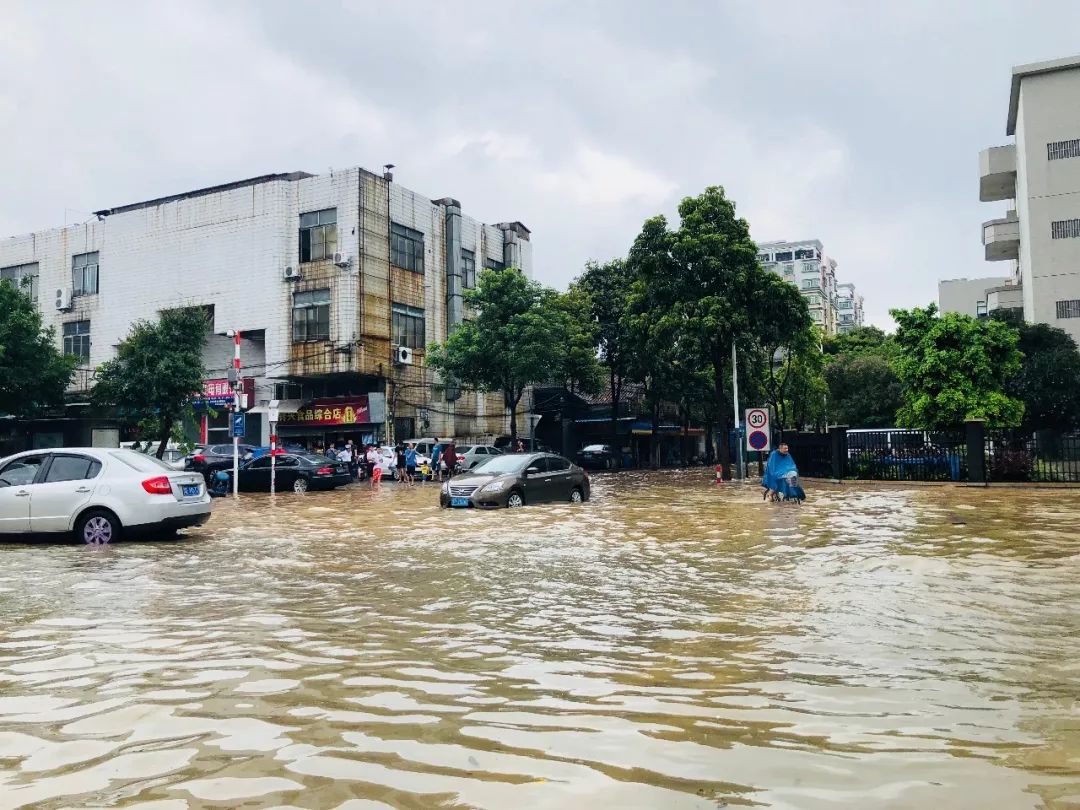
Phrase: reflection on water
(668, 645)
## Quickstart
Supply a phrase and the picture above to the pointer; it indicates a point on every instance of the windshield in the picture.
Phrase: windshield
(140, 461)
(502, 465)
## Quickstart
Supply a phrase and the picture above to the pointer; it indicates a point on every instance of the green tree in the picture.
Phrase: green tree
(512, 343)
(33, 373)
(954, 367)
(861, 340)
(608, 288)
(577, 368)
(1048, 382)
(864, 390)
(157, 371)
(705, 277)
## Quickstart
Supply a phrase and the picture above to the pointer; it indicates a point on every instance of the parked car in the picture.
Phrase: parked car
(471, 455)
(598, 457)
(215, 457)
(296, 471)
(505, 444)
(513, 480)
(98, 493)
(259, 452)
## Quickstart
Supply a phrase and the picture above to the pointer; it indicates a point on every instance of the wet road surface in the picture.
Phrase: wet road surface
(670, 644)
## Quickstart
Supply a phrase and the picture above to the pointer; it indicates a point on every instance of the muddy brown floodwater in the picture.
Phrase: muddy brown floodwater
(670, 644)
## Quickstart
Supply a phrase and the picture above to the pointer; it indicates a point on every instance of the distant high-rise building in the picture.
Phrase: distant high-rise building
(805, 264)
(1039, 177)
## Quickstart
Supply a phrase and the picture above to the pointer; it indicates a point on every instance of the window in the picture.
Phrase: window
(816, 315)
(809, 283)
(262, 463)
(763, 257)
(844, 303)
(556, 464)
(409, 327)
(318, 235)
(806, 253)
(311, 316)
(1069, 309)
(789, 269)
(481, 451)
(1059, 150)
(21, 472)
(1065, 229)
(784, 257)
(494, 264)
(980, 309)
(406, 248)
(84, 274)
(468, 268)
(810, 267)
(72, 468)
(813, 300)
(22, 275)
(77, 339)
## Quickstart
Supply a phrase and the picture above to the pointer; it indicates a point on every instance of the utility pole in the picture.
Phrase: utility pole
(237, 388)
(738, 422)
(273, 418)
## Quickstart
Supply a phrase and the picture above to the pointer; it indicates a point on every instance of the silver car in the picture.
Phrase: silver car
(472, 454)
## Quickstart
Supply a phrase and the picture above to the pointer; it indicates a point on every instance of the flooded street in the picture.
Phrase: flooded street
(668, 645)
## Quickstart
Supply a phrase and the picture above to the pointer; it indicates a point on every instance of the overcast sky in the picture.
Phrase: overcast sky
(855, 123)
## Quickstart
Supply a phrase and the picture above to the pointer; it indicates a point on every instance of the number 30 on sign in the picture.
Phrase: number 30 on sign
(758, 431)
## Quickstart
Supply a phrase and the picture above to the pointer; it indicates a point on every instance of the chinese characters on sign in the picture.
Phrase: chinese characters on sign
(330, 412)
(218, 393)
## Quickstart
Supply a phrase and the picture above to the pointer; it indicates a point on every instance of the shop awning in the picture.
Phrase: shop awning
(284, 406)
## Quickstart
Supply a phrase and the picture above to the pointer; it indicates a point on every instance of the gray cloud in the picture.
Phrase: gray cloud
(855, 123)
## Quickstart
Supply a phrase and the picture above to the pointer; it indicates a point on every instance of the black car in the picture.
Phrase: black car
(213, 458)
(598, 457)
(516, 479)
(298, 472)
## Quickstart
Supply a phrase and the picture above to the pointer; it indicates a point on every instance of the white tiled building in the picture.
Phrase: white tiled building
(849, 307)
(1039, 179)
(325, 276)
(806, 265)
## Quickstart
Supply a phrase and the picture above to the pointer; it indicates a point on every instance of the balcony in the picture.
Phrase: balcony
(1001, 238)
(997, 173)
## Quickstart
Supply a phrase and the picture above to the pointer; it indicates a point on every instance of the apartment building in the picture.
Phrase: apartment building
(849, 307)
(806, 265)
(337, 283)
(1038, 176)
(978, 297)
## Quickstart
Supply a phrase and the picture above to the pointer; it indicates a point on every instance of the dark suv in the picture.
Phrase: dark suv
(516, 479)
(213, 458)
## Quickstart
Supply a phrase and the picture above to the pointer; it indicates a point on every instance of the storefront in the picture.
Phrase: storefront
(334, 421)
(213, 408)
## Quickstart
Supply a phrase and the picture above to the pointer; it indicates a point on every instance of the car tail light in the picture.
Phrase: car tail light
(198, 459)
(460, 457)
(158, 486)
(325, 471)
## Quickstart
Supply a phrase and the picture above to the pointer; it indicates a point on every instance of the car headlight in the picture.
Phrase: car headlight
(494, 486)
(446, 487)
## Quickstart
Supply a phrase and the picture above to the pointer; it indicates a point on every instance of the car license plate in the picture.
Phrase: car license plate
(191, 489)
(459, 501)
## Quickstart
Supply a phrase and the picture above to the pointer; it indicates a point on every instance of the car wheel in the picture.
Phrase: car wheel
(300, 485)
(97, 527)
(576, 495)
(514, 500)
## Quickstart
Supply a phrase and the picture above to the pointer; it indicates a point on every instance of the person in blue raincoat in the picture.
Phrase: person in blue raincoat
(781, 478)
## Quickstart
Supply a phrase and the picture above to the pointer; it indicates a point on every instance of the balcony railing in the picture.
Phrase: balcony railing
(1001, 238)
(997, 173)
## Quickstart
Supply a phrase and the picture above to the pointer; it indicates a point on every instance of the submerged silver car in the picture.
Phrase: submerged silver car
(516, 480)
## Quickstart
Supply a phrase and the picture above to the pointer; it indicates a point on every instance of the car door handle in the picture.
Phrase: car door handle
(84, 489)
(23, 494)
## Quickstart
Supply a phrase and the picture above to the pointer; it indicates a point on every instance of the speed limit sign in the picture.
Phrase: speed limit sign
(757, 429)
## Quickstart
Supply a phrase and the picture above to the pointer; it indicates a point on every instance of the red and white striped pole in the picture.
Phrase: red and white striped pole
(237, 388)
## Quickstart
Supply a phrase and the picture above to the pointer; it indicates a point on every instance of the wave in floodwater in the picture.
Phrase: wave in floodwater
(670, 644)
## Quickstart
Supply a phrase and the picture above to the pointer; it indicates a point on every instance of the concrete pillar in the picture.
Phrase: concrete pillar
(838, 441)
(975, 434)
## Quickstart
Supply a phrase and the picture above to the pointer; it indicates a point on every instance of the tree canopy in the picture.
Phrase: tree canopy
(515, 340)
(954, 368)
(157, 371)
(33, 372)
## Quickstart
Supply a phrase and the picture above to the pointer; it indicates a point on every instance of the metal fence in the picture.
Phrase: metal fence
(1044, 457)
(906, 455)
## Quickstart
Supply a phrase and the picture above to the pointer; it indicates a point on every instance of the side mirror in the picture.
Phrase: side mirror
(532, 471)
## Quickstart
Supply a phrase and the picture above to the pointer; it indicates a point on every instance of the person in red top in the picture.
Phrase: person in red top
(449, 455)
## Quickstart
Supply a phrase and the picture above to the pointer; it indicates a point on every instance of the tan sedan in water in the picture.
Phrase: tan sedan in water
(514, 480)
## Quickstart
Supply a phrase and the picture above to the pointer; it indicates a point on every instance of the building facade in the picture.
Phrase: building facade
(849, 308)
(337, 284)
(972, 296)
(1038, 177)
(806, 265)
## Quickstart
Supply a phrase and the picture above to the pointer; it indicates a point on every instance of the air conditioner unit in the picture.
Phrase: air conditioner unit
(403, 356)
(342, 259)
(293, 274)
(63, 298)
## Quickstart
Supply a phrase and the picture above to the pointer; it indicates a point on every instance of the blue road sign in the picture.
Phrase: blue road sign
(238, 424)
